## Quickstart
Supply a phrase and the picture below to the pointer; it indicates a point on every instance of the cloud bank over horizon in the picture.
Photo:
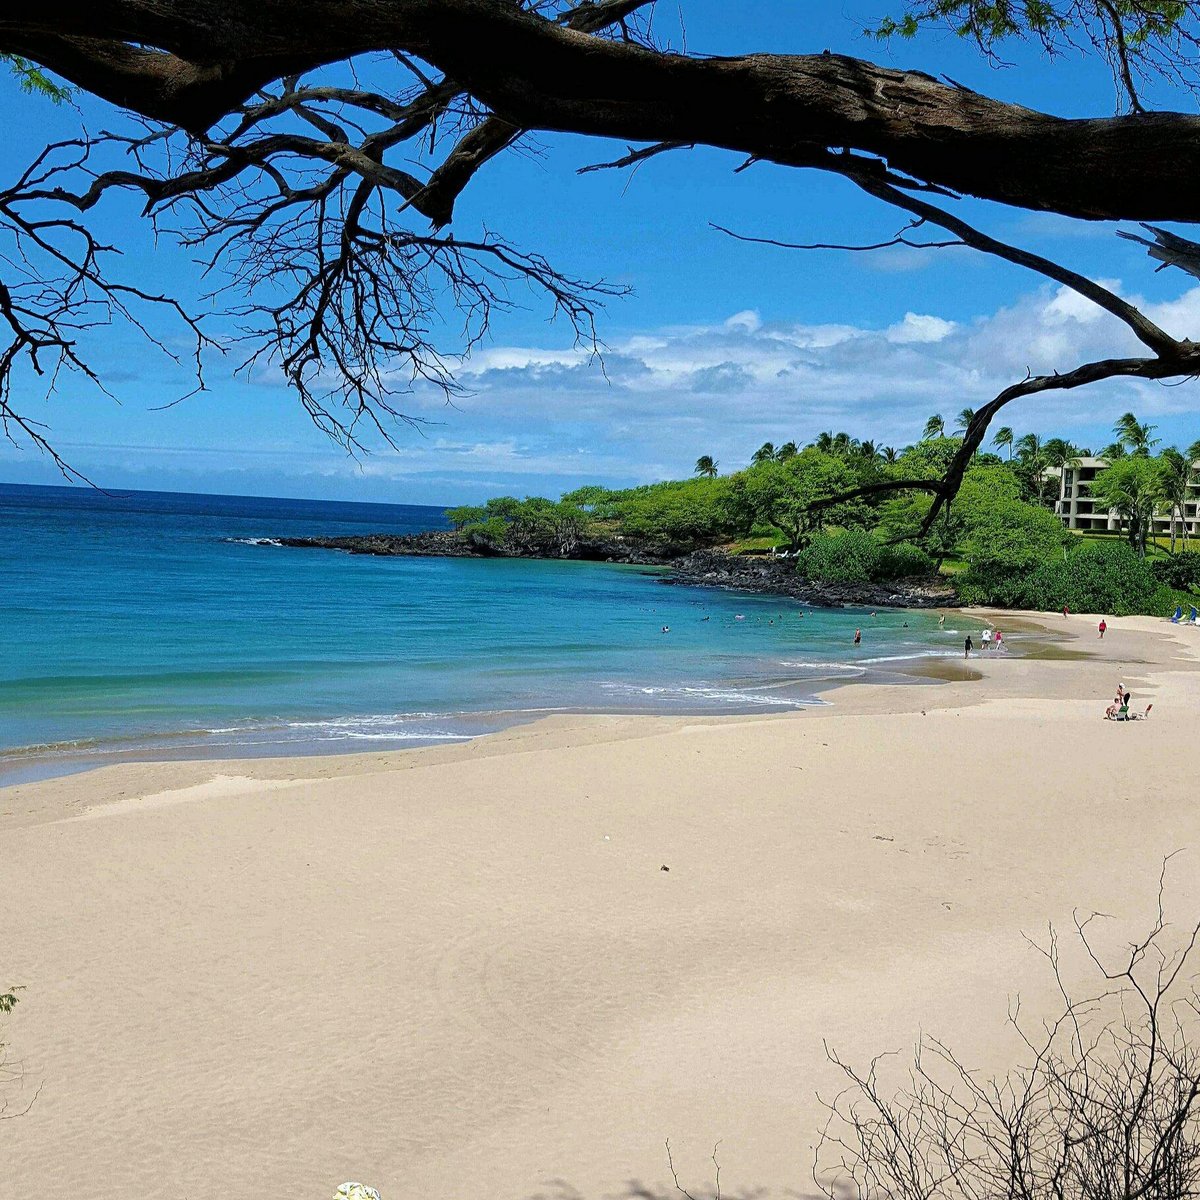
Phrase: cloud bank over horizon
(543, 418)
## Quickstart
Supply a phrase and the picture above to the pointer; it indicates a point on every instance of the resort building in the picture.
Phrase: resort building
(1078, 510)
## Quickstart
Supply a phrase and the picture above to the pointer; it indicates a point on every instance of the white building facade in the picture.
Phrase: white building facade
(1079, 511)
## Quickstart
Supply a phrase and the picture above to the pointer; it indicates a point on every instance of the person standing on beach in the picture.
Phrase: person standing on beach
(1102, 627)
(985, 640)
(968, 647)
(1065, 610)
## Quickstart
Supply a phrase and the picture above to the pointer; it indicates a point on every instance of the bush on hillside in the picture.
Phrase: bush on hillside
(488, 535)
(856, 556)
(1180, 571)
(1168, 599)
(1103, 577)
(849, 557)
(904, 561)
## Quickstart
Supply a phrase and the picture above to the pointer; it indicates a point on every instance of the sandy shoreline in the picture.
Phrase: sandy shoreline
(35, 764)
(461, 970)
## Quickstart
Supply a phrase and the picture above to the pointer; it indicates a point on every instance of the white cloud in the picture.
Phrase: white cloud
(666, 395)
(748, 320)
(545, 418)
(919, 327)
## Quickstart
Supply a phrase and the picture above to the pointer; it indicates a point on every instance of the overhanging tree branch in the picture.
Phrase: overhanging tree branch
(192, 62)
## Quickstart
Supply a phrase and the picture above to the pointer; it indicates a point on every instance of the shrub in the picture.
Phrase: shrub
(1181, 571)
(1104, 577)
(850, 557)
(1100, 577)
(489, 534)
(1167, 599)
(903, 561)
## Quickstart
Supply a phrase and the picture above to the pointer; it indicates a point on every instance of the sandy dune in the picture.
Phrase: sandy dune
(462, 972)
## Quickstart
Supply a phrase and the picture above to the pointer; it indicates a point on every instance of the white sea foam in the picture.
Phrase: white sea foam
(718, 695)
(824, 667)
(911, 656)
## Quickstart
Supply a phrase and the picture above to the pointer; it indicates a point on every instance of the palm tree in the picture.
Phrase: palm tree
(1004, 438)
(889, 454)
(1134, 435)
(1113, 451)
(934, 427)
(1134, 488)
(1176, 476)
(765, 453)
(1059, 454)
(823, 442)
(1029, 447)
(844, 445)
(867, 450)
(1193, 452)
(964, 419)
(706, 465)
(786, 451)
(1032, 455)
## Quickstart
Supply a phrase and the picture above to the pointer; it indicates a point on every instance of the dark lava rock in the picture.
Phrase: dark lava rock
(778, 577)
(698, 568)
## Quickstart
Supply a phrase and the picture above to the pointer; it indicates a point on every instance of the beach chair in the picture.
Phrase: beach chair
(1142, 715)
(1179, 614)
(1122, 714)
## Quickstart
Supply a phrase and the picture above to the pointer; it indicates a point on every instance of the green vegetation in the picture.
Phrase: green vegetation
(1180, 571)
(34, 80)
(1000, 541)
(858, 556)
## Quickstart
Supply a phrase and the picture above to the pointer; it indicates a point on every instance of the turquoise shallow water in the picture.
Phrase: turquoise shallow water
(162, 624)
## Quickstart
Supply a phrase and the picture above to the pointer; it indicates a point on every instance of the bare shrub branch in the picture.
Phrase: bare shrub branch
(1104, 1108)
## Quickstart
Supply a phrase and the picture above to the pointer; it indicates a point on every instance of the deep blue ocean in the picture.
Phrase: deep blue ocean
(149, 624)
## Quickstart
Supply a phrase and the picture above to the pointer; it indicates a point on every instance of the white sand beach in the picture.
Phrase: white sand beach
(462, 971)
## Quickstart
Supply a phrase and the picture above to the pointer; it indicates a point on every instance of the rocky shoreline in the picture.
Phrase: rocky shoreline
(695, 568)
(778, 577)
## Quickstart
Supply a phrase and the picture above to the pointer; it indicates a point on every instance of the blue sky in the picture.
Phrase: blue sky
(721, 346)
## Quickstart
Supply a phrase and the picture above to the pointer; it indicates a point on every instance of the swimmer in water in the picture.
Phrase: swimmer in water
(858, 637)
